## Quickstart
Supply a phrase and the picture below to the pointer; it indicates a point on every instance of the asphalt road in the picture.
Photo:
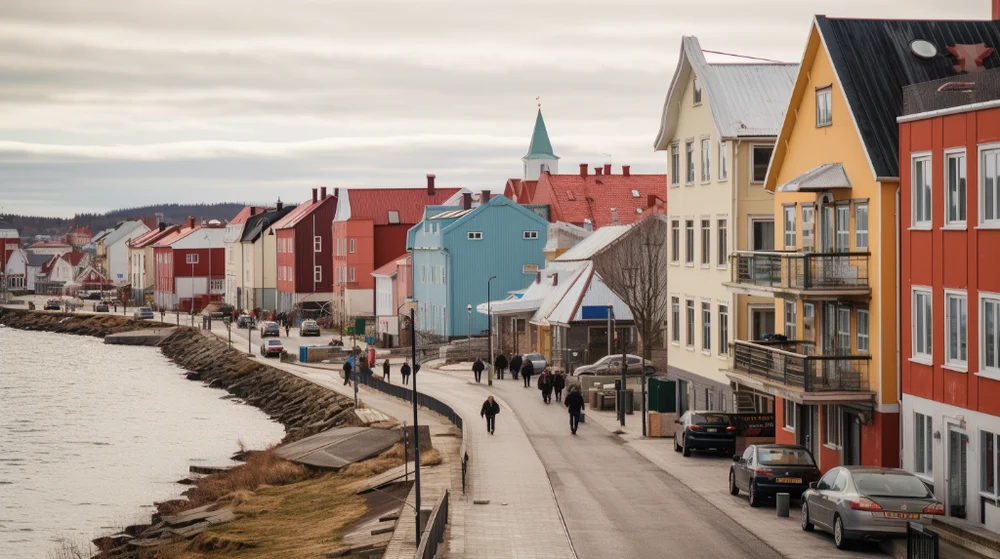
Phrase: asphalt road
(614, 501)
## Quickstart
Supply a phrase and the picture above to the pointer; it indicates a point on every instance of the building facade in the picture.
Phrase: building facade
(304, 255)
(141, 263)
(259, 252)
(234, 255)
(112, 251)
(190, 268)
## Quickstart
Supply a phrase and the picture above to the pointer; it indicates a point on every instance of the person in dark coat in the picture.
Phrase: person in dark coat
(385, 371)
(545, 385)
(500, 363)
(558, 383)
(515, 365)
(347, 372)
(405, 372)
(416, 368)
(527, 369)
(478, 368)
(574, 402)
(490, 410)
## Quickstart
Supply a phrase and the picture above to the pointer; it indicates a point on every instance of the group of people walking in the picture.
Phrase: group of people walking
(365, 372)
(550, 384)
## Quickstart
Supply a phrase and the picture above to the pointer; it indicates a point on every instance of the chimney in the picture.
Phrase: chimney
(278, 205)
(430, 184)
(651, 200)
(614, 216)
(253, 211)
(484, 196)
(607, 169)
(583, 169)
(314, 196)
(322, 193)
(626, 170)
(163, 227)
(555, 279)
(996, 10)
(466, 200)
(598, 170)
(191, 222)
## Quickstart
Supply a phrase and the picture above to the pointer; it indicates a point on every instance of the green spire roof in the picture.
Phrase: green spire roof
(540, 146)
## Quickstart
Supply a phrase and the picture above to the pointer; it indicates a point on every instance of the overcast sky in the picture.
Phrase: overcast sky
(116, 103)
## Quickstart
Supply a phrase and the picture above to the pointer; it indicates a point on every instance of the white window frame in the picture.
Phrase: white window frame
(317, 274)
(832, 427)
(350, 274)
(675, 320)
(696, 91)
(475, 235)
(351, 246)
(753, 151)
(675, 241)
(791, 415)
(989, 151)
(723, 329)
(722, 242)
(923, 457)
(217, 285)
(987, 298)
(317, 244)
(423, 273)
(444, 275)
(808, 228)
(983, 457)
(824, 106)
(529, 234)
(723, 160)
(789, 221)
(919, 219)
(689, 162)
(706, 327)
(863, 335)
(956, 196)
(689, 320)
(706, 160)
(925, 357)
(955, 362)
(706, 243)
(861, 235)
(675, 164)
(191, 258)
(689, 242)
(791, 320)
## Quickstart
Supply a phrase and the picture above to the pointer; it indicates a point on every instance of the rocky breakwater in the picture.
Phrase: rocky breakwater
(99, 325)
(302, 407)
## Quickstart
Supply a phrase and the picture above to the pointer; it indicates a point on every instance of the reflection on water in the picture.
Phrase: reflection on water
(91, 435)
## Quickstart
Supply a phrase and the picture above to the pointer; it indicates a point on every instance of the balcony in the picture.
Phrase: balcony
(817, 275)
(794, 366)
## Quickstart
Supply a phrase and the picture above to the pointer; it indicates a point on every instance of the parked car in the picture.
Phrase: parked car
(52, 305)
(863, 502)
(767, 469)
(142, 313)
(269, 329)
(705, 430)
(216, 315)
(324, 321)
(309, 328)
(271, 347)
(537, 361)
(612, 365)
(244, 321)
(101, 307)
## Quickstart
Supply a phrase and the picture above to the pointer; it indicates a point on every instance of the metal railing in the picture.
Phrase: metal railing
(795, 364)
(801, 270)
(433, 534)
(921, 542)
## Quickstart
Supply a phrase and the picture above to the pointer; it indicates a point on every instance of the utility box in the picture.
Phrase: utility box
(662, 395)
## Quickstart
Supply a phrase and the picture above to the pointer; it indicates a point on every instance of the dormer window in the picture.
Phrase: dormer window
(635, 193)
(697, 91)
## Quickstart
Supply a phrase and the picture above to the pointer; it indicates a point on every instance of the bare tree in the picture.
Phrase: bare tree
(634, 267)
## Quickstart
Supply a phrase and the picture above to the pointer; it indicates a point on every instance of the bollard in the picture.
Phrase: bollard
(781, 501)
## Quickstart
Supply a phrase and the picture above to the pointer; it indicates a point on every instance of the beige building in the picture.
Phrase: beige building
(718, 129)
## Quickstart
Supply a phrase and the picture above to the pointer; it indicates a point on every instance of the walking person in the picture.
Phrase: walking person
(515, 366)
(385, 371)
(500, 363)
(490, 410)
(347, 372)
(527, 369)
(558, 383)
(478, 367)
(405, 372)
(574, 402)
(287, 329)
(545, 385)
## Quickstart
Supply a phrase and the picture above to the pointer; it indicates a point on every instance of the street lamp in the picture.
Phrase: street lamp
(468, 328)
(489, 322)
(416, 438)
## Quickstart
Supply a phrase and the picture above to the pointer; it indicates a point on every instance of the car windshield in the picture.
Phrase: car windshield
(784, 457)
(146, 309)
(309, 323)
(274, 342)
(709, 418)
(890, 484)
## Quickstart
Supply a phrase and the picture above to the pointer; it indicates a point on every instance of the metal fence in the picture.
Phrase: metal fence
(801, 270)
(433, 534)
(793, 364)
(921, 542)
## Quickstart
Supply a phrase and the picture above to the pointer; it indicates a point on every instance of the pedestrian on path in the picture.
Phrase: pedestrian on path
(558, 383)
(385, 371)
(478, 367)
(574, 401)
(500, 363)
(490, 410)
(405, 372)
(545, 385)
(515, 365)
(347, 372)
(287, 328)
(527, 369)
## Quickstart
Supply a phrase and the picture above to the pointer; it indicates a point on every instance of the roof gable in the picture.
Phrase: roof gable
(496, 201)
(540, 146)
(256, 224)
(302, 211)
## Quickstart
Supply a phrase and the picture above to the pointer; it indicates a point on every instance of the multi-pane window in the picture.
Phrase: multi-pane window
(350, 274)
(922, 325)
(675, 164)
(989, 187)
(689, 241)
(723, 161)
(808, 228)
(706, 242)
(791, 414)
(989, 334)
(697, 91)
(690, 323)
(723, 242)
(191, 258)
(760, 158)
(921, 197)
(529, 234)
(843, 232)
(831, 423)
(675, 241)
(824, 106)
(864, 340)
(861, 226)
(723, 330)
(675, 320)
(843, 330)
(954, 168)
(317, 273)
(791, 320)
(706, 327)
(706, 161)
(351, 246)
(689, 162)
(988, 453)
(475, 235)
(317, 244)
(923, 447)
(956, 328)
(789, 227)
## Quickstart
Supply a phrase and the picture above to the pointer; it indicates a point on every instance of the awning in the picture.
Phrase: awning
(828, 176)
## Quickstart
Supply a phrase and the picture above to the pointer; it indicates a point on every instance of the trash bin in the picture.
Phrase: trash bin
(629, 401)
(662, 395)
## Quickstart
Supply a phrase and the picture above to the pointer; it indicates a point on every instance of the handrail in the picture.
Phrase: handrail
(433, 533)
(795, 253)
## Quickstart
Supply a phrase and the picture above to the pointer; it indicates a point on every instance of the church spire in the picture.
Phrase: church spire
(540, 156)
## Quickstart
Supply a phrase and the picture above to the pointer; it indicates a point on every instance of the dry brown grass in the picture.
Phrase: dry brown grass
(390, 459)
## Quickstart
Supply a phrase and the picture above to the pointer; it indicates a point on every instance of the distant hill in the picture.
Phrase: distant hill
(29, 226)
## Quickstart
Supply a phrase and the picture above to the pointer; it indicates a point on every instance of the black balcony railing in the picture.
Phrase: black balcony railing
(796, 365)
(801, 270)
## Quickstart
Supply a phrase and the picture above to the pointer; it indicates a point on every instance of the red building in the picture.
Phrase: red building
(190, 267)
(303, 254)
(591, 200)
(949, 219)
(10, 240)
(369, 231)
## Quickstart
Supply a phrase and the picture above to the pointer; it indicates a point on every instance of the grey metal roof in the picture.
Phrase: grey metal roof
(35, 259)
(825, 177)
(589, 246)
(751, 99)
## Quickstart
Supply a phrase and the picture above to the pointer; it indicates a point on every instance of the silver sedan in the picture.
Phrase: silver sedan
(866, 503)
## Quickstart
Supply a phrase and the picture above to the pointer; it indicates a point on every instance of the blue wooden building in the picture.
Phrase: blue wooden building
(456, 249)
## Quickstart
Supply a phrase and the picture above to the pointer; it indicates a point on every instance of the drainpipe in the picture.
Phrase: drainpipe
(899, 362)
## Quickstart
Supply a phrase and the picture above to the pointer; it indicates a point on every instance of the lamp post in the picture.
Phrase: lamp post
(489, 322)
(468, 328)
(416, 435)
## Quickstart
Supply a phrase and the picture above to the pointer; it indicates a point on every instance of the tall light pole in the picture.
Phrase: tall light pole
(208, 285)
(468, 328)
(489, 322)
(416, 435)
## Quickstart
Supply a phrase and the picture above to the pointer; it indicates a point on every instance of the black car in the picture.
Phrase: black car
(51, 305)
(767, 469)
(705, 430)
(101, 307)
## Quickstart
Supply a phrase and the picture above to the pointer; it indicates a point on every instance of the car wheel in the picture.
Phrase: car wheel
(684, 446)
(754, 496)
(733, 490)
(677, 446)
(806, 524)
(838, 533)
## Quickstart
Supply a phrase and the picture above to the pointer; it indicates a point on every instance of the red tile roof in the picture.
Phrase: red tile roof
(73, 258)
(151, 236)
(241, 217)
(573, 198)
(302, 211)
(375, 203)
(176, 235)
(521, 191)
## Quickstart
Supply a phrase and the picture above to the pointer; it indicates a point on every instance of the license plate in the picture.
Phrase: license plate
(710, 430)
(789, 480)
(906, 515)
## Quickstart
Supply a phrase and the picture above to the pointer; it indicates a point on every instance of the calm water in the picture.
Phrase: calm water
(91, 435)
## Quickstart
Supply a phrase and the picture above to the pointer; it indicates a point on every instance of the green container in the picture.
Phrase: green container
(662, 395)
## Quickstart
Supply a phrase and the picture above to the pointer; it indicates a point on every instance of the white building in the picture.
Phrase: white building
(113, 251)
(235, 256)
